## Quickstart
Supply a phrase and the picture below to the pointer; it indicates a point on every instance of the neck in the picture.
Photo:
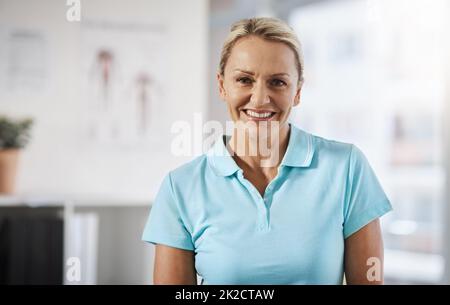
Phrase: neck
(268, 154)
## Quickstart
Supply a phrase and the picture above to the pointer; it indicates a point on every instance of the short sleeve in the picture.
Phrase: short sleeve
(365, 199)
(165, 225)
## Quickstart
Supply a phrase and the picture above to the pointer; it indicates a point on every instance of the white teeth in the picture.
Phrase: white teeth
(261, 115)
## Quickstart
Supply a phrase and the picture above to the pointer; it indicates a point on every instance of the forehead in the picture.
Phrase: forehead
(258, 55)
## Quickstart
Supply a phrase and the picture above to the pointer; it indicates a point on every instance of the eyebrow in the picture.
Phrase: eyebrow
(252, 73)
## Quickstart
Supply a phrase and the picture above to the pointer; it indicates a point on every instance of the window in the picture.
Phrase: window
(375, 76)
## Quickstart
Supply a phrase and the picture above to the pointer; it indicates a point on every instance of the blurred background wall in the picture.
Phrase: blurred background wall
(105, 91)
(62, 56)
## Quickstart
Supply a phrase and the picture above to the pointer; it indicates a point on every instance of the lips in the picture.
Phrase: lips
(259, 115)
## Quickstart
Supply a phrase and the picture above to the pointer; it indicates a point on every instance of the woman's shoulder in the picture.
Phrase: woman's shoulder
(332, 148)
(337, 150)
(325, 143)
(189, 170)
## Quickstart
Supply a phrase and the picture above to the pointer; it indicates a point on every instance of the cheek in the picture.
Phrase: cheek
(284, 101)
(237, 97)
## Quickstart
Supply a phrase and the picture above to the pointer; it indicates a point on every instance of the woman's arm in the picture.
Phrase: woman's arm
(174, 266)
(364, 256)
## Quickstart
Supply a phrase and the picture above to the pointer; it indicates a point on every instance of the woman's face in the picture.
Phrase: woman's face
(260, 82)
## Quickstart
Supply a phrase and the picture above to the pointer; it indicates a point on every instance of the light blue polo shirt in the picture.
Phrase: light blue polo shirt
(324, 192)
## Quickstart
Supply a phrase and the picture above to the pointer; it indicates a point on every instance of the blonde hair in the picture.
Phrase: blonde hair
(271, 29)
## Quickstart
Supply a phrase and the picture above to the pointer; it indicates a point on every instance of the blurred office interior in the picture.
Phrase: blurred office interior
(104, 91)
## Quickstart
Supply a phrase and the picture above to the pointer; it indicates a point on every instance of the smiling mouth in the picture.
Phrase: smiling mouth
(259, 115)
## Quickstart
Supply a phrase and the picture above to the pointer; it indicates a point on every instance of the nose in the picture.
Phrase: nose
(260, 94)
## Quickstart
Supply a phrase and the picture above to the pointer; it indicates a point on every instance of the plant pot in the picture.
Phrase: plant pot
(8, 170)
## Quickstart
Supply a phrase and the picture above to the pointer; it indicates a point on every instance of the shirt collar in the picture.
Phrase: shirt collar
(220, 158)
(300, 150)
(299, 153)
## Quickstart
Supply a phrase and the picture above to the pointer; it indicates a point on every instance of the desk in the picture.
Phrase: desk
(104, 231)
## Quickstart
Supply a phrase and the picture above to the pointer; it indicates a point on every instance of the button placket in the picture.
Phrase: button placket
(267, 211)
(262, 217)
(267, 200)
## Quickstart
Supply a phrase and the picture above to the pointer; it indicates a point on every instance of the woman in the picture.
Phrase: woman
(299, 209)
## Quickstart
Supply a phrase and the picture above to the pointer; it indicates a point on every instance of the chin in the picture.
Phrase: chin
(262, 129)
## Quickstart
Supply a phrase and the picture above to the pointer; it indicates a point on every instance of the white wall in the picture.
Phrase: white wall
(59, 160)
(446, 140)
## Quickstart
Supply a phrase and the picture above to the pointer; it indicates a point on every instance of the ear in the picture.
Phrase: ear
(298, 93)
(220, 83)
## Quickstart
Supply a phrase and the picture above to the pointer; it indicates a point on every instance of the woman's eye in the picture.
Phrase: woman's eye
(244, 80)
(277, 83)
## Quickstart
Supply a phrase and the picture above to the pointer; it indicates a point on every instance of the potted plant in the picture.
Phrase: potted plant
(14, 135)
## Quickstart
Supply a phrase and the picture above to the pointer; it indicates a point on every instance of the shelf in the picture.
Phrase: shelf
(72, 200)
